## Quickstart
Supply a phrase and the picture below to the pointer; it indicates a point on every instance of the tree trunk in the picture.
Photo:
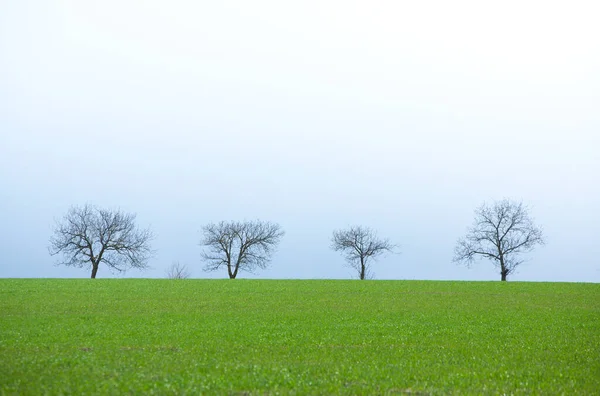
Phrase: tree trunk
(362, 268)
(503, 270)
(94, 270)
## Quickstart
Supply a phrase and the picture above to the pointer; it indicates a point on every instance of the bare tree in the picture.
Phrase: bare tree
(239, 246)
(178, 271)
(88, 236)
(499, 233)
(359, 245)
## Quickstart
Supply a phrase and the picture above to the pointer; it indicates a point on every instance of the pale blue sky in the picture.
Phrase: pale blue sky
(315, 114)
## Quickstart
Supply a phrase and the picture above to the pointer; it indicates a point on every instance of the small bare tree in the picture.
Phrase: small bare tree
(239, 246)
(178, 271)
(499, 233)
(88, 236)
(359, 245)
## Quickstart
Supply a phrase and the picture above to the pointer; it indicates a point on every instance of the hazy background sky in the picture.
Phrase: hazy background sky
(401, 116)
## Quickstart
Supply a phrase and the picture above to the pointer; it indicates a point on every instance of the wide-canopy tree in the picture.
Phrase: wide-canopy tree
(88, 236)
(239, 245)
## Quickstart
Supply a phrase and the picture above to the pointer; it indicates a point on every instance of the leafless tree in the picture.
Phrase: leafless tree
(360, 245)
(88, 236)
(178, 271)
(500, 233)
(246, 245)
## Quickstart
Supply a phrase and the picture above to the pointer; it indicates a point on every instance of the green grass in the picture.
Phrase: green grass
(113, 336)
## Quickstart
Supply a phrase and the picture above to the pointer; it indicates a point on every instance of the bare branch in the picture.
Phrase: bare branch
(178, 271)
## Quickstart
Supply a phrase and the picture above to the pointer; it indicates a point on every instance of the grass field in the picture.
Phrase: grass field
(79, 336)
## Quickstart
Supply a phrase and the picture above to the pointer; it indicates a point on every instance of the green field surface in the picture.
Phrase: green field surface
(159, 336)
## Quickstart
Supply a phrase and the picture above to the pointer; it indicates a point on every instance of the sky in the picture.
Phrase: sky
(400, 116)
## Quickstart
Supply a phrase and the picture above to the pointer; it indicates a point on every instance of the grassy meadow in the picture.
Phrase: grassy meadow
(159, 336)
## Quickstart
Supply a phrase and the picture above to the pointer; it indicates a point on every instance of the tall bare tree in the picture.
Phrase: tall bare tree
(88, 236)
(360, 245)
(500, 233)
(178, 271)
(245, 246)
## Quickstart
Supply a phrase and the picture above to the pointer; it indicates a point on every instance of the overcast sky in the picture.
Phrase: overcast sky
(401, 116)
